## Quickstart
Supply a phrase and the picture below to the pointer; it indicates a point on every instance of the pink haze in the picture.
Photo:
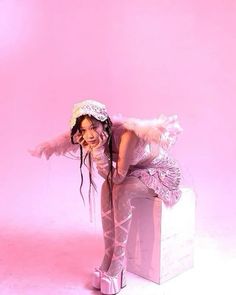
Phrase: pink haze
(141, 58)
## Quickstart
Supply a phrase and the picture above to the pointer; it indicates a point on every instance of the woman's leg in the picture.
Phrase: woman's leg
(123, 193)
(108, 226)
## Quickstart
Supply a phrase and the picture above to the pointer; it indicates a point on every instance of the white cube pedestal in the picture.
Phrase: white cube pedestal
(161, 239)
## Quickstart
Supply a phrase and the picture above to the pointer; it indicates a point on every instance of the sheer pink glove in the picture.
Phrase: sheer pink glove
(103, 162)
(99, 156)
(78, 138)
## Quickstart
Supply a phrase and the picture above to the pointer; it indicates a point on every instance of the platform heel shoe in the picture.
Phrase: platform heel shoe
(112, 284)
(96, 278)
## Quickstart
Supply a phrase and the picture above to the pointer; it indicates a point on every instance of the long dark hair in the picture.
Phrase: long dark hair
(107, 125)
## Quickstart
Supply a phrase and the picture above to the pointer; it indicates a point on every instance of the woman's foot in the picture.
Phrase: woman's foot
(96, 278)
(113, 284)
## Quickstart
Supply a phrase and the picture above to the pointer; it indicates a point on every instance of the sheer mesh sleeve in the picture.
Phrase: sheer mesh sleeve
(125, 155)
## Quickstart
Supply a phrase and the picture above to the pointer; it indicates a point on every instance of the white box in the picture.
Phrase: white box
(161, 239)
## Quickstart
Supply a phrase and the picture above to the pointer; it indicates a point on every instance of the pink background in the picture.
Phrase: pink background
(141, 58)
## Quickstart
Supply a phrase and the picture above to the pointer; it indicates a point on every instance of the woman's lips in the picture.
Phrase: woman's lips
(92, 142)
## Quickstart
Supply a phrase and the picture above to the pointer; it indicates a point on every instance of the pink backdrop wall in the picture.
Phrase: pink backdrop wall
(141, 58)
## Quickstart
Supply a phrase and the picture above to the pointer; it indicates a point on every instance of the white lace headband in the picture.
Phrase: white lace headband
(88, 107)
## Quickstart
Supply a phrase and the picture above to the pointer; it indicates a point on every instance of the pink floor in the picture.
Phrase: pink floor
(47, 262)
(49, 247)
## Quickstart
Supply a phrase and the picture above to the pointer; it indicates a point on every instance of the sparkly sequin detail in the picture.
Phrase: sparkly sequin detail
(162, 174)
(140, 153)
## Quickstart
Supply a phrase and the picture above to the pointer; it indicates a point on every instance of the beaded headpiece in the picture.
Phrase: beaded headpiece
(88, 107)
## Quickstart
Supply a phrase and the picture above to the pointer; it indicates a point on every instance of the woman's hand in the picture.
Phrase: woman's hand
(101, 141)
(100, 157)
(78, 138)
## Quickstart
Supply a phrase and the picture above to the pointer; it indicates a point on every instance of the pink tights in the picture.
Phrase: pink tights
(116, 221)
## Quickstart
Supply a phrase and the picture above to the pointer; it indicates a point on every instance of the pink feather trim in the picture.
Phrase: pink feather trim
(60, 145)
(163, 130)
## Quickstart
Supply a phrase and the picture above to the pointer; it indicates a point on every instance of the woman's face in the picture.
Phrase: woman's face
(91, 130)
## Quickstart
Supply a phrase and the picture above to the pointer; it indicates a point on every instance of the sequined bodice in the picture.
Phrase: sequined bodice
(141, 153)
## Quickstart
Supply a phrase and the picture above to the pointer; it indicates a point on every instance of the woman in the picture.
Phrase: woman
(132, 156)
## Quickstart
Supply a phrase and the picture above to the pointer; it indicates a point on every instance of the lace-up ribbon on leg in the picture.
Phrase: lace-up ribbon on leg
(114, 279)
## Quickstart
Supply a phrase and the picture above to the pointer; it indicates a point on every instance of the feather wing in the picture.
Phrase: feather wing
(60, 145)
(163, 130)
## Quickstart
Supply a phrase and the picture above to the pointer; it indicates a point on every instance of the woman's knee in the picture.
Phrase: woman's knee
(125, 187)
(122, 192)
(105, 187)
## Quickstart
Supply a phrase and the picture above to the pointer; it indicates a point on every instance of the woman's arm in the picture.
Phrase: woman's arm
(127, 144)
